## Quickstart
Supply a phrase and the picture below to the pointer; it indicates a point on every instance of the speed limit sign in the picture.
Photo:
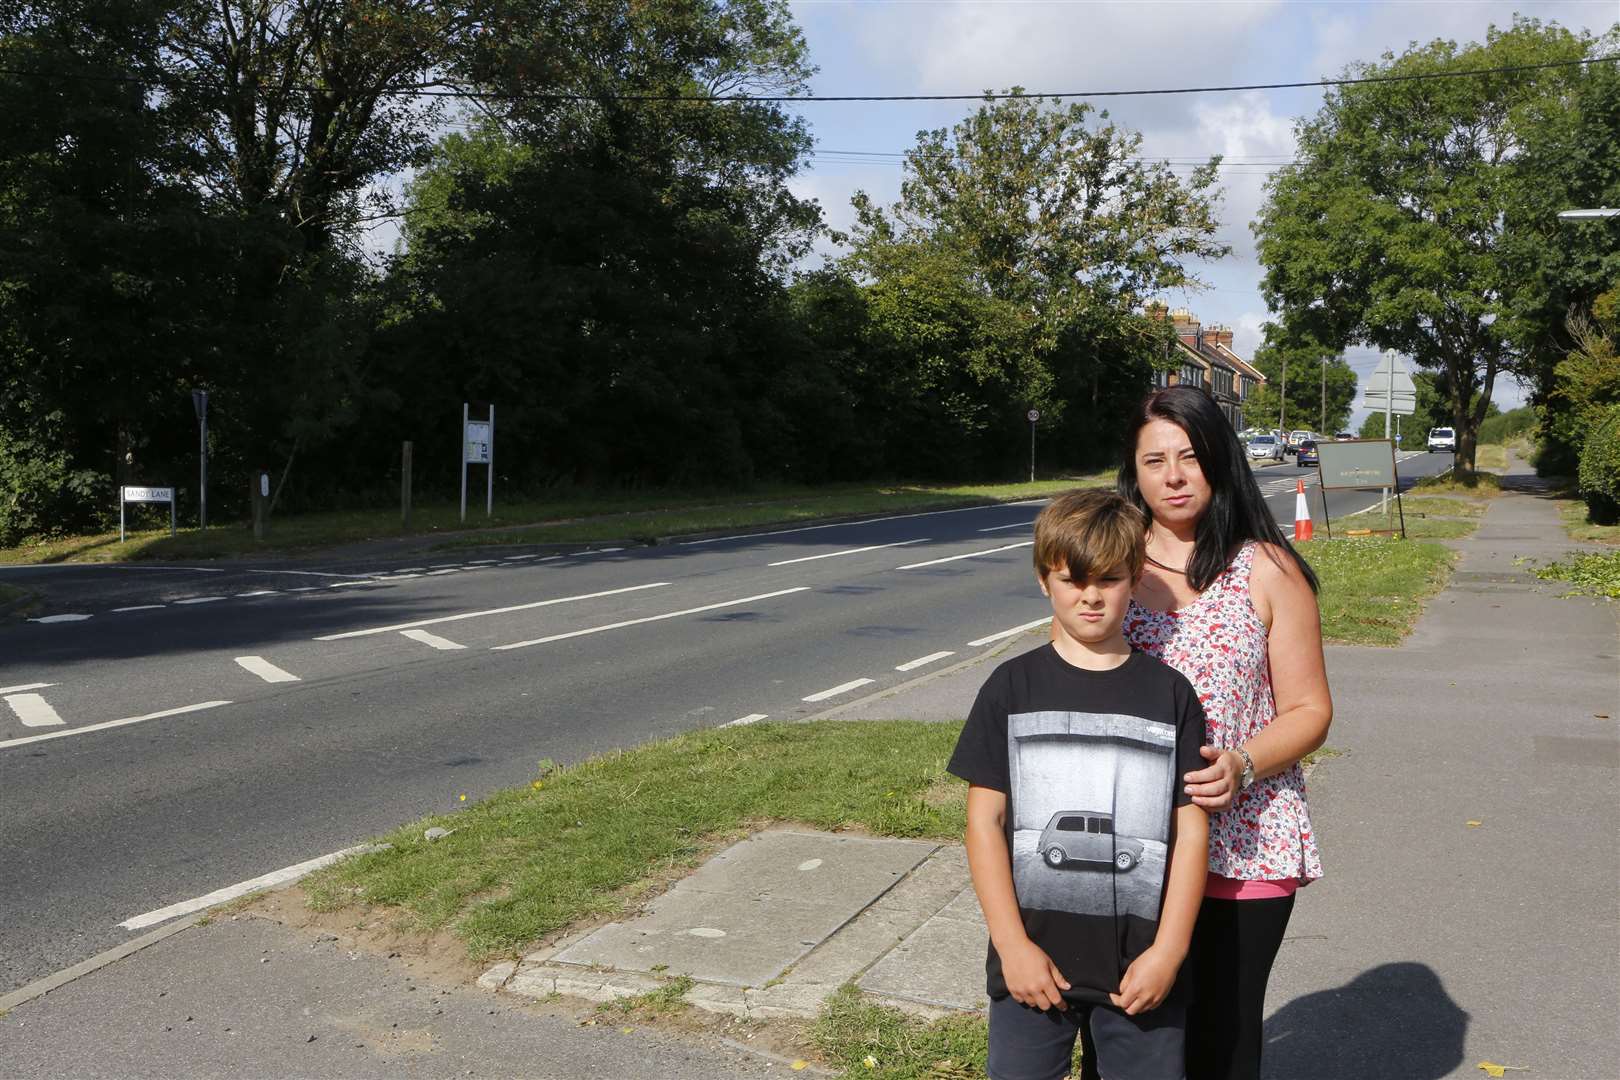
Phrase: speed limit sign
(1034, 415)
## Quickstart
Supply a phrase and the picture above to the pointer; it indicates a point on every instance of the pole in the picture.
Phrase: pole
(1389, 405)
(405, 486)
(489, 494)
(1282, 407)
(202, 498)
(1321, 427)
(121, 514)
(1032, 451)
(463, 441)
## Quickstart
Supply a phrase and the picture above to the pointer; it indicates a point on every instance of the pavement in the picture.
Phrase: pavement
(1470, 912)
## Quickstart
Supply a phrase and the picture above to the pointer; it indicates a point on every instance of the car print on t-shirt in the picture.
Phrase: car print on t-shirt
(1082, 837)
(1090, 803)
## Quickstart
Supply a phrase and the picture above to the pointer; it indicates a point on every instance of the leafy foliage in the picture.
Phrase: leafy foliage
(1319, 396)
(1595, 573)
(1014, 270)
(1416, 219)
(1599, 475)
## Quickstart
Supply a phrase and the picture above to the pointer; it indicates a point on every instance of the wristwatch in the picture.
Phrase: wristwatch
(1248, 769)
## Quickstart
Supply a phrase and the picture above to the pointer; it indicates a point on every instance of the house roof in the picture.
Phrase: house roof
(1241, 364)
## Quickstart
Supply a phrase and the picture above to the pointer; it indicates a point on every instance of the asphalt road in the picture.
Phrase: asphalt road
(333, 702)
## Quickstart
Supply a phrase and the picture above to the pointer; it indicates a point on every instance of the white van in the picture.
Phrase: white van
(1442, 439)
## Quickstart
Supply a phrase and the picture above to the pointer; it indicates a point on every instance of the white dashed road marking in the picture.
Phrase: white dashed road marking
(1014, 525)
(25, 687)
(648, 619)
(431, 640)
(257, 592)
(491, 611)
(264, 669)
(1009, 633)
(27, 739)
(850, 551)
(33, 710)
(744, 721)
(60, 618)
(137, 607)
(911, 665)
(200, 600)
(842, 688)
(231, 892)
(969, 555)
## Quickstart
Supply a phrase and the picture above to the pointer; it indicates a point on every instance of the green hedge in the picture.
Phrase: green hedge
(1599, 475)
(1504, 426)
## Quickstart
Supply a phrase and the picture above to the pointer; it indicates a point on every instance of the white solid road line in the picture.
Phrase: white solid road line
(309, 573)
(850, 551)
(34, 711)
(1009, 633)
(491, 611)
(841, 524)
(648, 619)
(137, 607)
(911, 665)
(744, 721)
(969, 555)
(264, 669)
(25, 687)
(1014, 525)
(26, 739)
(60, 618)
(200, 600)
(231, 892)
(843, 688)
(431, 640)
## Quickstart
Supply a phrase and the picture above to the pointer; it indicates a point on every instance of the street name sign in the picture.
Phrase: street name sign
(131, 494)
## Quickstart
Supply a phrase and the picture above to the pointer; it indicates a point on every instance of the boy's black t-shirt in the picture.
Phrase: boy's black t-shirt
(1091, 762)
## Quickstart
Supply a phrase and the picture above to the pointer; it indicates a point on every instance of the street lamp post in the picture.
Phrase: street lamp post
(1589, 215)
(199, 402)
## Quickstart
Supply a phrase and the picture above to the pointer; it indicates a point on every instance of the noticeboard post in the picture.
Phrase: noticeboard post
(128, 494)
(1358, 464)
(478, 448)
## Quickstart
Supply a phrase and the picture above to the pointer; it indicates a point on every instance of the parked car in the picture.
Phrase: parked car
(1343, 436)
(1266, 446)
(1307, 453)
(1442, 439)
(1087, 836)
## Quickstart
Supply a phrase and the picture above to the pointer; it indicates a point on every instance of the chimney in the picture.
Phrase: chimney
(1221, 335)
(1187, 327)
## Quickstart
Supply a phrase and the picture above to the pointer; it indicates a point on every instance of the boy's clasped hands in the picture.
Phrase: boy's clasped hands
(1034, 980)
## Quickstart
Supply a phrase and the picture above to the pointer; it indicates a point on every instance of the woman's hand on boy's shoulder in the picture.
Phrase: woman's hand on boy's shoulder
(1031, 976)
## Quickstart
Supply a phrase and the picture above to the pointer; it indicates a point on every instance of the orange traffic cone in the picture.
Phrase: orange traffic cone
(1302, 513)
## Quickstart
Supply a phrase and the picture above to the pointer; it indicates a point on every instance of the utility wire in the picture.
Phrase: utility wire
(433, 90)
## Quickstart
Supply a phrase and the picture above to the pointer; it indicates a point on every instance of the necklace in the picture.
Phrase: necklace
(1161, 565)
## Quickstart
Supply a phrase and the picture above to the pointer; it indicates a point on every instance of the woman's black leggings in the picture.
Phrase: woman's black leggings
(1233, 946)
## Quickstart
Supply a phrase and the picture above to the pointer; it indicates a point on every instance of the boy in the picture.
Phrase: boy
(1087, 856)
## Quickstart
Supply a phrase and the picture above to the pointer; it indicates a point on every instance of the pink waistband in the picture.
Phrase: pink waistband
(1225, 888)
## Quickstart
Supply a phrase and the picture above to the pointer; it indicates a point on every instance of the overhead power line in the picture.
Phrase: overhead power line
(437, 90)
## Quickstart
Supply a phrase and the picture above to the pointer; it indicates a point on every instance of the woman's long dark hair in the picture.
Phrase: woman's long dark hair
(1236, 510)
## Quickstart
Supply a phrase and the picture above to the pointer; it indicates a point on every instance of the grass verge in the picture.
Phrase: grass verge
(574, 519)
(864, 1039)
(1491, 457)
(1580, 526)
(586, 841)
(1479, 484)
(1374, 588)
(1590, 573)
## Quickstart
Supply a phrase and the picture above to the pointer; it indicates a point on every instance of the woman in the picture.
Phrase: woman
(1227, 602)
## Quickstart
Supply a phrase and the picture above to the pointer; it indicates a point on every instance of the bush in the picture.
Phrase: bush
(1599, 475)
(42, 492)
(1505, 426)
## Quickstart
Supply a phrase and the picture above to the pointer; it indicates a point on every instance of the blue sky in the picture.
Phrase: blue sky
(968, 46)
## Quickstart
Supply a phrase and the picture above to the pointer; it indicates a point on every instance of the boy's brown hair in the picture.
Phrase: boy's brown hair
(1090, 533)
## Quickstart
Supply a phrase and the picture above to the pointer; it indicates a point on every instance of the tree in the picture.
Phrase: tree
(1016, 265)
(1402, 225)
(1307, 376)
(599, 262)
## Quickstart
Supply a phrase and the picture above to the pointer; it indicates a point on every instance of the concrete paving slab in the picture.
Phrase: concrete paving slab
(755, 909)
(941, 963)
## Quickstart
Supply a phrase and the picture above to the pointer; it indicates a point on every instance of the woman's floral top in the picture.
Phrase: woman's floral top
(1219, 643)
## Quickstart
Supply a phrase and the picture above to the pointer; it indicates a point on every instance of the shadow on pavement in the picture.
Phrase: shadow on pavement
(1393, 1020)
